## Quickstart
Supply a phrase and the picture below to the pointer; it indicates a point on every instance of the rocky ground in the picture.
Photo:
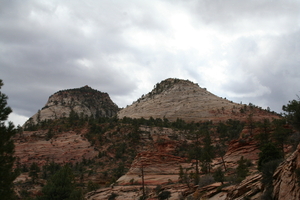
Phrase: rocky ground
(65, 147)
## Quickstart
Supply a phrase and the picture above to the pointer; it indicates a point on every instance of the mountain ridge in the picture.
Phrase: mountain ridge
(84, 101)
(128, 151)
(176, 98)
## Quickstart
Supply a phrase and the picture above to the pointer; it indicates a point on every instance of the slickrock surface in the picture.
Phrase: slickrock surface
(238, 148)
(251, 186)
(84, 101)
(124, 193)
(133, 192)
(159, 165)
(210, 192)
(63, 148)
(287, 180)
(175, 98)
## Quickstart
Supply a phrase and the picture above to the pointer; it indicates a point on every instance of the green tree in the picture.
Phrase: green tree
(181, 175)
(164, 195)
(280, 134)
(292, 110)
(268, 153)
(33, 172)
(265, 128)
(30, 125)
(49, 134)
(207, 153)
(222, 129)
(195, 153)
(61, 186)
(268, 170)
(7, 175)
(221, 151)
(92, 186)
(38, 118)
(219, 175)
(73, 117)
(242, 169)
(53, 167)
(251, 123)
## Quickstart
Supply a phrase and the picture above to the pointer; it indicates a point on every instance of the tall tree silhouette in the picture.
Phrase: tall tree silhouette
(7, 175)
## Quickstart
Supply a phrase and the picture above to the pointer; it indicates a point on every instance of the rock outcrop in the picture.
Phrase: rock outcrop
(250, 187)
(287, 178)
(175, 98)
(66, 147)
(84, 101)
(157, 151)
(237, 148)
(159, 164)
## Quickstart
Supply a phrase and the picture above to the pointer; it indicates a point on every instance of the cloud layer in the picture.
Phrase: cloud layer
(243, 50)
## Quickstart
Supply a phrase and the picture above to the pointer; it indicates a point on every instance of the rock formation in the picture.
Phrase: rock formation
(287, 178)
(176, 98)
(84, 101)
(160, 151)
(250, 187)
(67, 147)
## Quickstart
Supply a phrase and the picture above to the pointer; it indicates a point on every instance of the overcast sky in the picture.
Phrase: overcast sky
(246, 51)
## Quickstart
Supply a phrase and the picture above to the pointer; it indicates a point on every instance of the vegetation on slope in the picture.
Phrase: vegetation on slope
(119, 140)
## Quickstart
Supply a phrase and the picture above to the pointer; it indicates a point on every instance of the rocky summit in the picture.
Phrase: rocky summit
(176, 98)
(179, 141)
(84, 101)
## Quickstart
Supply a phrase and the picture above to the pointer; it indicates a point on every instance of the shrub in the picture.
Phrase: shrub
(268, 170)
(242, 169)
(206, 180)
(158, 189)
(112, 196)
(268, 153)
(92, 186)
(219, 175)
(164, 195)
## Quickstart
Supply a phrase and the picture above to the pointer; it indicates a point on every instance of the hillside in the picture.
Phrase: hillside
(176, 98)
(83, 101)
(174, 148)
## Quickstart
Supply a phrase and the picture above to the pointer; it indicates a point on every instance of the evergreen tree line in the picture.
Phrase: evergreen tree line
(271, 139)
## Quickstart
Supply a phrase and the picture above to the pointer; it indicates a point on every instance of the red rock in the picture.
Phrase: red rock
(286, 184)
(63, 148)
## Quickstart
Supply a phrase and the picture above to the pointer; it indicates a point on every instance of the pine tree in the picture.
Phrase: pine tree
(61, 186)
(7, 175)
(207, 153)
(242, 169)
(268, 153)
(292, 114)
(219, 175)
(33, 172)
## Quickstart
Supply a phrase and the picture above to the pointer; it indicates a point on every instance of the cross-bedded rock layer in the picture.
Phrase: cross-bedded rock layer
(175, 98)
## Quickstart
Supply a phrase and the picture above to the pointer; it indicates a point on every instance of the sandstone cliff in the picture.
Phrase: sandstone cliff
(65, 147)
(287, 178)
(176, 98)
(117, 149)
(83, 101)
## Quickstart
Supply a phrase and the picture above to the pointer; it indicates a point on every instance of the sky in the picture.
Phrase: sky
(246, 51)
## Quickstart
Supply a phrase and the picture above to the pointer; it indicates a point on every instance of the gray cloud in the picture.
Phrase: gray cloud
(245, 51)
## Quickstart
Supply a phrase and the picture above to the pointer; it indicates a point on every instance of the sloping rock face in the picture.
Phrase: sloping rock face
(159, 164)
(250, 187)
(67, 147)
(287, 178)
(238, 148)
(83, 101)
(175, 98)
